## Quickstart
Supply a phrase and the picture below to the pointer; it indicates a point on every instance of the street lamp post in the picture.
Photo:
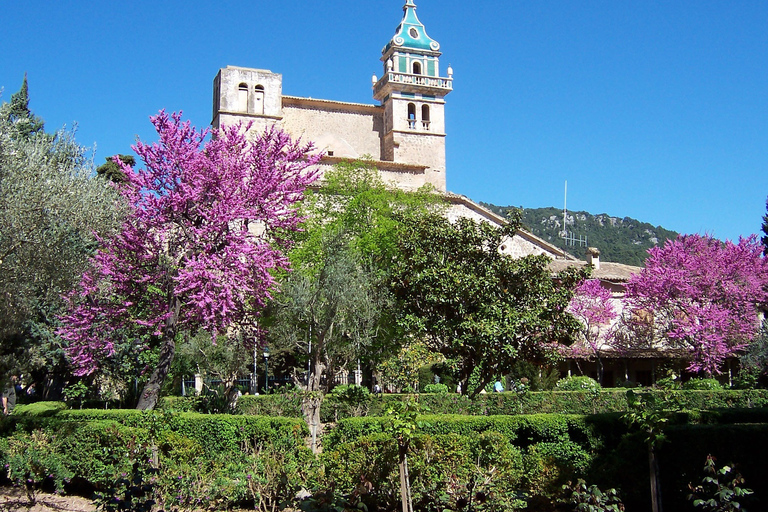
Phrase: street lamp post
(255, 380)
(266, 370)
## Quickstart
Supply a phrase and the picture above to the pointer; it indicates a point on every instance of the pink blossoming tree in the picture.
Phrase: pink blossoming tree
(592, 306)
(702, 294)
(205, 230)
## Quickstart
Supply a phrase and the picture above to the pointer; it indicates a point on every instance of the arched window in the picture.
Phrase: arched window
(417, 68)
(425, 116)
(411, 116)
(242, 98)
(258, 100)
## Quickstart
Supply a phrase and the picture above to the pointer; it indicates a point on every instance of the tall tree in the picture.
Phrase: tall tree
(703, 295)
(207, 227)
(593, 307)
(332, 313)
(349, 237)
(480, 308)
(49, 209)
(25, 123)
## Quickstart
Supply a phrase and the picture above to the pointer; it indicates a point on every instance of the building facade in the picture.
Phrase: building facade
(403, 135)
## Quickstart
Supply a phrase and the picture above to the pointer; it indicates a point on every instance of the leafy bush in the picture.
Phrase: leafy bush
(719, 489)
(668, 383)
(592, 499)
(702, 385)
(578, 383)
(32, 459)
(436, 388)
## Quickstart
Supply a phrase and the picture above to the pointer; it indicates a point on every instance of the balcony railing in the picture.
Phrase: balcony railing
(423, 80)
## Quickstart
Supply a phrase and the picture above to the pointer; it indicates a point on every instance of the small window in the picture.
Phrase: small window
(258, 99)
(412, 116)
(414, 33)
(417, 68)
(330, 153)
(242, 98)
(425, 116)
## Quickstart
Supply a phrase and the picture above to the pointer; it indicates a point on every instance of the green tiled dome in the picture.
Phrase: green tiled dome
(411, 34)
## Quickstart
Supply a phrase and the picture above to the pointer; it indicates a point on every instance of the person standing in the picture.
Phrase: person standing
(9, 395)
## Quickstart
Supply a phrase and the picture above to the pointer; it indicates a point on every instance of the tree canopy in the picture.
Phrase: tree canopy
(50, 208)
(207, 226)
(335, 306)
(481, 309)
(703, 295)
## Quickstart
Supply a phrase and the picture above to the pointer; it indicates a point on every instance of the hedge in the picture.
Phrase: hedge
(190, 460)
(335, 408)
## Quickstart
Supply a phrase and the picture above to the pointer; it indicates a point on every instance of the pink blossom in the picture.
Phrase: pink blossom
(703, 295)
(204, 234)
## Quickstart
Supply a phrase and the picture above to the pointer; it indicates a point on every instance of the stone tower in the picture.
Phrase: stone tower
(413, 96)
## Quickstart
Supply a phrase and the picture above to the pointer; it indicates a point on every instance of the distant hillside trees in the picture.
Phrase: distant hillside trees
(620, 240)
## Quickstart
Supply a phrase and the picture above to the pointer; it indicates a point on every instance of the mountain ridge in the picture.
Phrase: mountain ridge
(620, 240)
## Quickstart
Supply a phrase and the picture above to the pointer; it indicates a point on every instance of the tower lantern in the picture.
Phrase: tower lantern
(412, 93)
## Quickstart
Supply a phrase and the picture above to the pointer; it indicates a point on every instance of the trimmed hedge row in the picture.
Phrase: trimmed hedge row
(190, 460)
(553, 402)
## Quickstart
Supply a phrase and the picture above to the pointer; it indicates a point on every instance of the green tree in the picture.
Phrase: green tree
(331, 315)
(336, 297)
(354, 199)
(18, 115)
(650, 415)
(111, 171)
(481, 309)
(50, 208)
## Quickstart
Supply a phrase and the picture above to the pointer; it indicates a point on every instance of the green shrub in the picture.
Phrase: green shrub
(33, 458)
(702, 385)
(578, 383)
(668, 383)
(435, 388)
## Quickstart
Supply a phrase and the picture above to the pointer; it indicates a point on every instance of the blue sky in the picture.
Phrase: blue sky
(656, 110)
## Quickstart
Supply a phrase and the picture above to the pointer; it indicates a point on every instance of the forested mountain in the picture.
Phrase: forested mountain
(619, 240)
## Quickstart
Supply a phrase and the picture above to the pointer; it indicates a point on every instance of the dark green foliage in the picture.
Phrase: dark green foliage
(592, 499)
(764, 228)
(721, 490)
(482, 310)
(111, 171)
(619, 240)
(130, 492)
(32, 459)
(25, 123)
(753, 361)
(610, 400)
(190, 460)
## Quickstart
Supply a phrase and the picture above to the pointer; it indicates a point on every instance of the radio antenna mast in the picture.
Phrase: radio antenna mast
(565, 209)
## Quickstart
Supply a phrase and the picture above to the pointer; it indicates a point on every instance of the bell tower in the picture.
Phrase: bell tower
(412, 93)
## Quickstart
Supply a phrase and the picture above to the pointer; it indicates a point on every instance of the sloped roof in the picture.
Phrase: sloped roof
(614, 272)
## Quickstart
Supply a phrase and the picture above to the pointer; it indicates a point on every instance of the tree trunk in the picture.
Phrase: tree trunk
(310, 407)
(405, 484)
(653, 465)
(151, 391)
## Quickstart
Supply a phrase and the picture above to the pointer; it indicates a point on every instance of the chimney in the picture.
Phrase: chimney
(593, 257)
